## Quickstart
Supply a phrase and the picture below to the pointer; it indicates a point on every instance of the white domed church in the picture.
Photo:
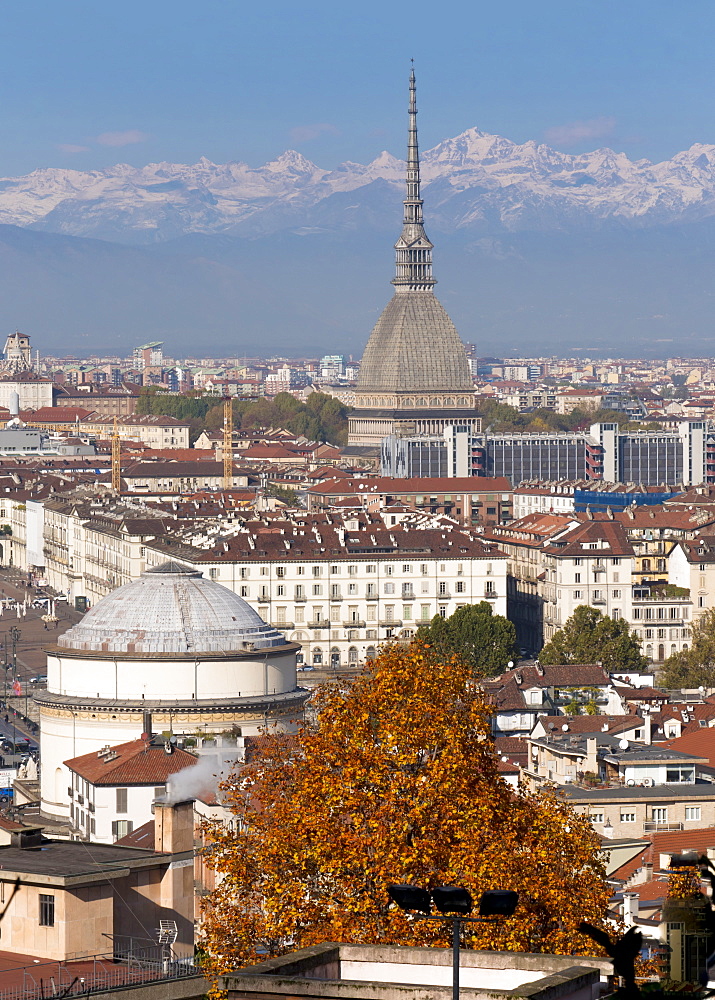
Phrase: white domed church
(184, 648)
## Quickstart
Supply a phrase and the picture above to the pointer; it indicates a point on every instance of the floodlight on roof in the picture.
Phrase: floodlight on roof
(452, 899)
(498, 903)
(410, 897)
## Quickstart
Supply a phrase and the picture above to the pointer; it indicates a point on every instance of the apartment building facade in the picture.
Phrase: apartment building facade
(343, 584)
(558, 562)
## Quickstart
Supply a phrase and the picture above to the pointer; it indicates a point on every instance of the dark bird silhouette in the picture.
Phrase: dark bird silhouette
(622, 951)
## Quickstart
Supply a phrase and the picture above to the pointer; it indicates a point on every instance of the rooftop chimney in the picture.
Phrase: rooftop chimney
(631, 905)
(146, 726)
(173, 826)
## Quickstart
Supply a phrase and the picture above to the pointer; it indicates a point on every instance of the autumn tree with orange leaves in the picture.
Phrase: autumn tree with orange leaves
(396, 782)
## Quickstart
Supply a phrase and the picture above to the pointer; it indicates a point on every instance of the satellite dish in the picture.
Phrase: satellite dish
(510, 664)
(623, 744)
(565, 728)
(505, 759)
(552, 726)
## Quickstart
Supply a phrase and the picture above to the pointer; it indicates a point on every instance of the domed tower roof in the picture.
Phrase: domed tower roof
(171, 609)
(414, 346)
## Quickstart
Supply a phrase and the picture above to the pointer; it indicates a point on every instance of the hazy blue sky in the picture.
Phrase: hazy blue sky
(89, 84)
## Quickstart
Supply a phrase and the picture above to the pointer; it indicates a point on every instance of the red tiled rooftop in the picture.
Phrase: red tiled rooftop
(135, 763)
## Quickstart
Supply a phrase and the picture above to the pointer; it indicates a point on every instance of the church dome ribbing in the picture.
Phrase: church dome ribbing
(171, 609)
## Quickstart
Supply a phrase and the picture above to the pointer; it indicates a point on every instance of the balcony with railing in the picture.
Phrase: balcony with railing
(653, 826)
(319, 623)
(354, 623)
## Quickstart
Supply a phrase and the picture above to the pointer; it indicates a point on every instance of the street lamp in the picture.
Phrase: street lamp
(454, 904)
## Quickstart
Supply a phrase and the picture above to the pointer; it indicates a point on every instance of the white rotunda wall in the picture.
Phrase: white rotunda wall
(126, 678)
(185, 648)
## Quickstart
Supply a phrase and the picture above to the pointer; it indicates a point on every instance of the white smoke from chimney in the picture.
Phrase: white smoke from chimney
(203, 777)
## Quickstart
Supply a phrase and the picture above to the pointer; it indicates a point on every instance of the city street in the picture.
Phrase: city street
(31, 636)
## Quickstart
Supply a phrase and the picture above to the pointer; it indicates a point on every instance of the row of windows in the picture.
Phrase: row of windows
(425, 569)
(662, 633)
(596, 595)
(353, 615)
(659, 613)
(371, 590)
(658, 814)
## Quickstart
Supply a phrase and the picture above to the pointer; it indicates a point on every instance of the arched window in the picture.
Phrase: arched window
(317, 656)
(334, 658)
(352, 654)
(60, 786)
(661, 652)
(370, 653)
(649, 651)
(673, 648)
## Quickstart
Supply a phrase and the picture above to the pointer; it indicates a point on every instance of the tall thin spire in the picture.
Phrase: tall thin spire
(413, 249)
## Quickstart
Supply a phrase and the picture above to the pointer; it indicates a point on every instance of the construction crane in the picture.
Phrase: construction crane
(116, 459)
(227, 442)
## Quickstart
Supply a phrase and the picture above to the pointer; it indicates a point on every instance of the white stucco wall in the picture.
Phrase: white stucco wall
(169, 680)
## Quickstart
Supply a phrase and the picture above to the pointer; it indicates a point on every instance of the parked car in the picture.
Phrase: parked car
(39, 679)
(62, 597)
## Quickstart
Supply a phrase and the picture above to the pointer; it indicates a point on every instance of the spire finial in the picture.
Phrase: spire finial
(414, 250)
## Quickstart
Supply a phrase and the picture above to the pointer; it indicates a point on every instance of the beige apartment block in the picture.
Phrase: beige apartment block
(68, 900)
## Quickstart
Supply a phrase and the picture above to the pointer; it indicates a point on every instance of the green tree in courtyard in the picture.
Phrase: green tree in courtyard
(474, 634)
(693, 667)
(590, 637)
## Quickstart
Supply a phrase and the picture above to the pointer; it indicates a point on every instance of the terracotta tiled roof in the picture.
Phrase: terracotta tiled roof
(386, 484)
(143, 836)
(556, 676)
(11, 825)
(610, 536)
(701, 713)
(135, 763)
(700, 742)
(677, 842)
(58, 414)
(611, 724)
(266, 451)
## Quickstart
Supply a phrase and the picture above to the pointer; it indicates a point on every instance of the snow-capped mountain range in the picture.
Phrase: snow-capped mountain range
(475, 182)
